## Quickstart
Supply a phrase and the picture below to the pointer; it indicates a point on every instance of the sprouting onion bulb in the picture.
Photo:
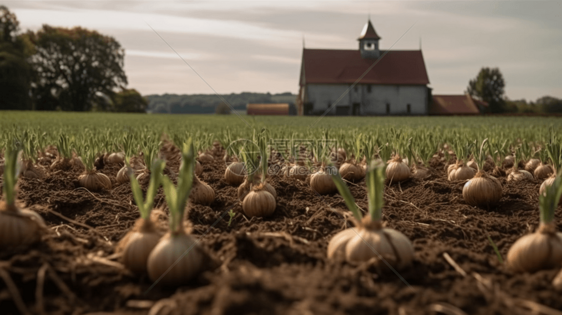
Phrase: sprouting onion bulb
(532, 165)
(234, 173)
(349, 170)
(64, 154)
(543, 171)
(205, 158)
(91, 179)
(177, 258)
(322, 181)
(542, 249)
(459, 171)
(472, 164)
(115, 158)
(260, 201)
(201, 193)
(518, 175)
(370, 239)
(139, 242)
(483, 190)
(18, 227)
(397, 170)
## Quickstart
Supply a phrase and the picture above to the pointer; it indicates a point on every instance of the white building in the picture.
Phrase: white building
(389, 82)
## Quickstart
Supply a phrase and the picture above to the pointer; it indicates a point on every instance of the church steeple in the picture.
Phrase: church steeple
(369, 41)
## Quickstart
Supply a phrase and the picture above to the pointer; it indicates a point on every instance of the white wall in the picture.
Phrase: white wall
(373, 102)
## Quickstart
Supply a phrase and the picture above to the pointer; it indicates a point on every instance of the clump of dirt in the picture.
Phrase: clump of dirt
(278, 264)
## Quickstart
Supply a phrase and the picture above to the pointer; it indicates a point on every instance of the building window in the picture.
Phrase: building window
(408, 108)
(387, 108)
(369, 46)
(368, 89)
(355, 88)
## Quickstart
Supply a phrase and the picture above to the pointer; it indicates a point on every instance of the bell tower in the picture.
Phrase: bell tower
(369, 42)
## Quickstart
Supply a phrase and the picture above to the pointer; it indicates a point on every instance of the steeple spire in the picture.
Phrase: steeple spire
(369, 41)
(369, 32)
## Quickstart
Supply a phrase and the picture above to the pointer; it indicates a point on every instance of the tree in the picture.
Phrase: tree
(74, 68)
(549, 104)
(489, 86)
(15, 71)
(129, 101)
(222, 109)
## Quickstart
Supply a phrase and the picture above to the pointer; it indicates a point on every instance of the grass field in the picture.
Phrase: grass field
(531, 128)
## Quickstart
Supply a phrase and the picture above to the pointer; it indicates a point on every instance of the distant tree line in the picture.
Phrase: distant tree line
(489, 86)
(211, 103)
(58, 68)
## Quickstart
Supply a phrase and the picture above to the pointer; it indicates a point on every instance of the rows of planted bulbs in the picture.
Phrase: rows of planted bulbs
(162, 254)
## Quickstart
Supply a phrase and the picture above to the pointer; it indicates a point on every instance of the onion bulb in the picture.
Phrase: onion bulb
(472, 164)
(115, 158)
(137, 244)
(543, 171)
(259, 202)
(205, 158)
(482, 190)
(508, 161)
(19, 227)
(371, 240)
(450, 168)
(542, 249)
(396, 170)
(322, 181)
(234, 173)
(123, 176)
(518, 175)
(94, 181)
(338, 157)
(201, 193)
(461, 172)
(547, 183)
(536, 251)
(175, 260)
(349, 171)
(299, 171)
(532, 165)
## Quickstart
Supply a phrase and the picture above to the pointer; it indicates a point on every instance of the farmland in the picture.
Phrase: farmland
(278, 262)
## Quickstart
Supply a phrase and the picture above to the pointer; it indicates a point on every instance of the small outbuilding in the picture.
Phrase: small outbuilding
(267, 109)
(456, 105)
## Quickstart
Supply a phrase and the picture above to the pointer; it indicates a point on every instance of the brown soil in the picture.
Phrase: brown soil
(278, 265)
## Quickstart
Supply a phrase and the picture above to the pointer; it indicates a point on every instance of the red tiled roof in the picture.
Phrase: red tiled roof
(369, 32)
(267, 109)
(327, 66)
(455, 105)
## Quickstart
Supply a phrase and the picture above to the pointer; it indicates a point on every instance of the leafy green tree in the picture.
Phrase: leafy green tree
(489, 87)
(75, 68)
(129, 101)
(15, 71)
(222, 109)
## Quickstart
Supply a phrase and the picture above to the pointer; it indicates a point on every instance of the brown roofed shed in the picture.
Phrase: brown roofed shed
(456, 105)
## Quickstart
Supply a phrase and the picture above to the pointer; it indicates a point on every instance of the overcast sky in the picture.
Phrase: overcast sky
(257, 45)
